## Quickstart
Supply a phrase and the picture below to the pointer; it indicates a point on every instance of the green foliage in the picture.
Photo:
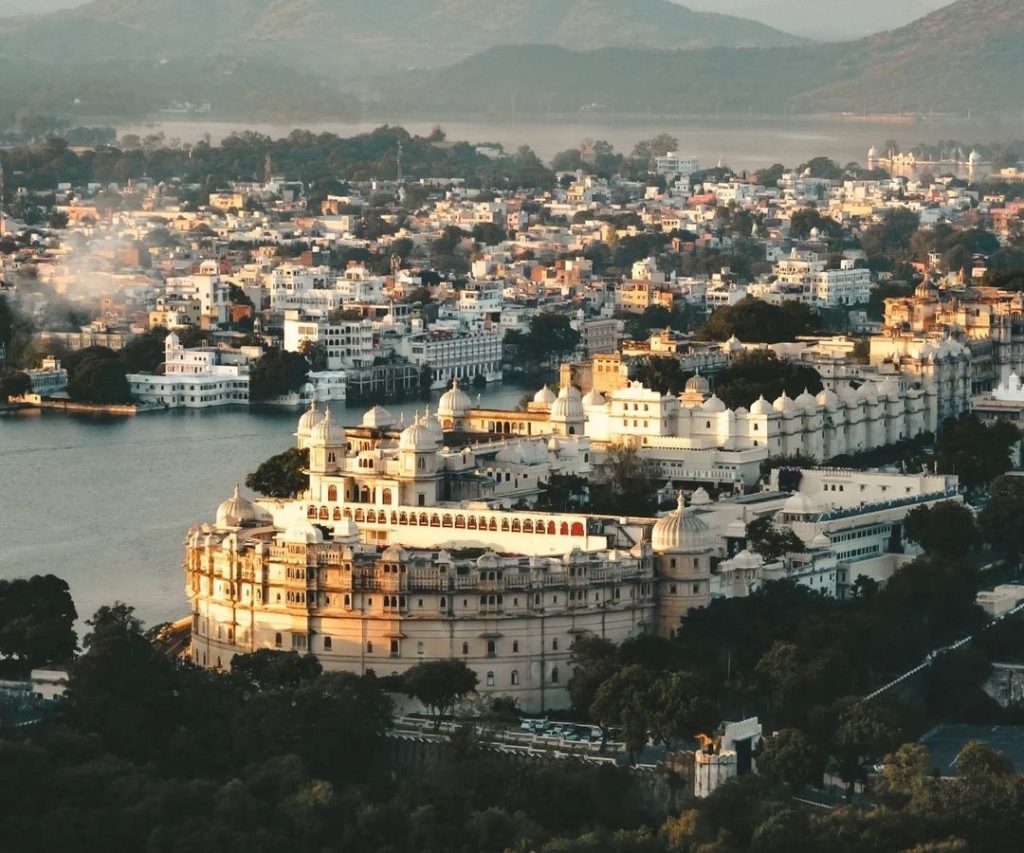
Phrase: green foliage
(563, 493)
(792, 758)
(945, 529)
(551, 338)
(755, 321)
(277, 373)
(660, 373)
(281, 476)
(269, 669)
(144, 353)
(97, 375)
(1000, 520)
(37, 624)
(438, 685)
(764, 538)
(626, 484)
(13, 383)
(761, 373)
(976, 452)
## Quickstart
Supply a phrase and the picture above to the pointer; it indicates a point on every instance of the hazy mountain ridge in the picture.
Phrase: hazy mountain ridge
(966, 56)
(328, 35)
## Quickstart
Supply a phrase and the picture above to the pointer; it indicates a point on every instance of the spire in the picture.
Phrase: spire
(680, 502)
(237, 493)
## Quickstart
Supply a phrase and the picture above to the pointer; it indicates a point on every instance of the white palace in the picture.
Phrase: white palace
(403, 551)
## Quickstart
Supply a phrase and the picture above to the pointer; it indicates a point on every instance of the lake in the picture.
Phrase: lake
(105, 503)
(742, 142)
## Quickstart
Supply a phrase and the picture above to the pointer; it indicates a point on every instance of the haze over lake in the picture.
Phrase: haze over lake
(747, 142)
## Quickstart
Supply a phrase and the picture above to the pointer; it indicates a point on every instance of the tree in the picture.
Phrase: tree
(315, 353)
(594, 660)
(281, 476)
(145, 352)
(679, 708)
(563, 492)
(756, 321)
(37, 624)
(863, 735)
(976, 452)
(97, 375)
(947, 528)
(764, 538)
(269, 669)
(792, 758)
(13, 383)
(1000, 520)
(622, 701)
(660, 373)
(277, 373)
(627, 483)
(438, 685)
(647, 150)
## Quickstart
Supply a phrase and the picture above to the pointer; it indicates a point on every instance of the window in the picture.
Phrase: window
(554, 645)
(369, 647)
(298, 641)
(465, 648)
(554, 675)
(277, 640)
(515, 646)
(491, 650)
(327, 644)
(419, 647)
(514, 677)
(490, 679)
(394, 648)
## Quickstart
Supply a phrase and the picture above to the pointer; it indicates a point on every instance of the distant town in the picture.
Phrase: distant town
(740, 570)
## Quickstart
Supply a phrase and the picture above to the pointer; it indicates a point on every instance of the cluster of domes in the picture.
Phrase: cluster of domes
(310, 418)
(680, 531)
(327, 432)
(237, 511)
(419, 436)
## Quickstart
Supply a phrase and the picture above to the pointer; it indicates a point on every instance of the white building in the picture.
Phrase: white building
(676, 164)
(348, 344)
(453, 354)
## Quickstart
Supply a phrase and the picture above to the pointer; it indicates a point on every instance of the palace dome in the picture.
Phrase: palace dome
(593, 398)
(454, 402)
(378, 418)
(545, 397)
(310, 418)
(697, 384)
(327, 433)
(762, 407)
(784, 404)
(827, 398)
(713, 405)
(236, 511)
(806, 401)
(680, 531)
(568, 406)
(820, 542)
(432, 424)
(747, 560)
(800, 503)
(417, 437)
(303, 533)
(700, 497)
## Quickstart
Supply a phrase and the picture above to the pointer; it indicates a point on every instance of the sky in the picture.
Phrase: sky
(823, 19)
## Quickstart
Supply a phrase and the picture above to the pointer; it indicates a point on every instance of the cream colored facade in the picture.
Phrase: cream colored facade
(377, 568)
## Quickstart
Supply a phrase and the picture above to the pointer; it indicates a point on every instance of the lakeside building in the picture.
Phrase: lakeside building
(379, 566)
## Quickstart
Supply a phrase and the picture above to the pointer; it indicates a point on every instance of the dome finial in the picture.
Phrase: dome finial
(237, 492)
(680, 501)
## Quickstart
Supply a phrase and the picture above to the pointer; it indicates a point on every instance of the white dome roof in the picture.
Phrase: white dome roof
(847, 394)
(303, 533)
(454, 402)
(747, 560)
(593, 398)
(820, 542)
(327, 433)
(868, 392)
(806, 401)
(378, 418)
(784, 404)
(680, 531)
(713, 404)
(310, 418)
(734, 344)
(545, 396)
(568, 406)
(827, 398)
(697, 384)
(762, 407)
(236, 511)
(417, 437)
(800, 503)
(433, 425)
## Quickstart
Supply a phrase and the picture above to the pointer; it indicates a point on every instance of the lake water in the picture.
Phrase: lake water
(105, 502)
(744, 142)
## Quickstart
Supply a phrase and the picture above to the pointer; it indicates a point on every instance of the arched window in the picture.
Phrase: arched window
(465, 648)
(332, 493)
(460, 522)
(385, 496)
(447, 521)
(365, 495)
(311, 512)
(394, 517)
(348, 601)
(554, 675)
(504, 525)
(492, 525)
(337, 513)
(490, 679)
(423, 519)
(435, 520)
(371, 516)
(527, 526)
(347, 513)
(277, 639)
(514, 679)
(577, 528)
(403, 518)
(360, 515)
(369, 647)
(470, 523)
(564, 529)
(324, 514)
(551, 528)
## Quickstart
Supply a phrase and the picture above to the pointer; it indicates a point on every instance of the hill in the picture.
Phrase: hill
(332, 35)
(966, 56)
